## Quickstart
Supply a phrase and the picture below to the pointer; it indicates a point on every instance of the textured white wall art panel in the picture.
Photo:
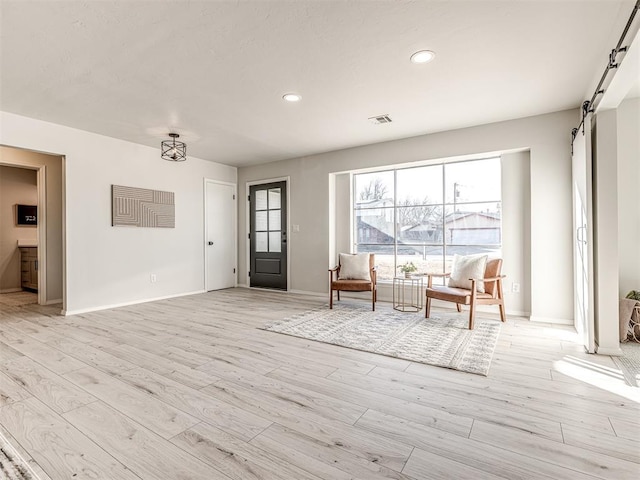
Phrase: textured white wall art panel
(140, 207)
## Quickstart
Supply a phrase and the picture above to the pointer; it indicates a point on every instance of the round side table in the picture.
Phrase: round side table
(408, 293)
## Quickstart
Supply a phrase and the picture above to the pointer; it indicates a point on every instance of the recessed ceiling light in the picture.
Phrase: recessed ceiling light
(423, 56)
(292, 97)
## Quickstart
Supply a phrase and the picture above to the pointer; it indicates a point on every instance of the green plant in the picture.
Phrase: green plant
(408, 267)
(634, 295)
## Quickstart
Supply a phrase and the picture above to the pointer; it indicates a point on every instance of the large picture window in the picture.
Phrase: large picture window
(425, 215)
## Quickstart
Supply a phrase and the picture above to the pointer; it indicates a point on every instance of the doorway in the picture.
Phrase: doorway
(268, 235)
(45, 250)
(220, 235)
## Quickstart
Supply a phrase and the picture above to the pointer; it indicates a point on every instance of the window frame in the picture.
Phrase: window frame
(444, 205)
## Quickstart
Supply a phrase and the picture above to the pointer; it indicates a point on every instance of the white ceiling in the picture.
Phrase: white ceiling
(215, 71)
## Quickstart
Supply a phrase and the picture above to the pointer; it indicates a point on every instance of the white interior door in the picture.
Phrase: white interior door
(583, 236)
(220, 235)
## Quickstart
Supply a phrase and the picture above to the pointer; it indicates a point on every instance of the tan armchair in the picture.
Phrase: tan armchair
(492, 292)
(337, 285)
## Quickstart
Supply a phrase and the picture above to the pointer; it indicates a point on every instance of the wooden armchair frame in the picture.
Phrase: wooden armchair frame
(337, 285)
(460, 296)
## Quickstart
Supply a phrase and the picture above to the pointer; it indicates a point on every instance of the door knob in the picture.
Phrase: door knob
(210, 243)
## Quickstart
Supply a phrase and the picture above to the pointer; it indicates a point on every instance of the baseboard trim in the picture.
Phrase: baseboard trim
(612, 351)
(53, 302)
(298, 292)
(311, 294)
(125, 304)
(557, 321)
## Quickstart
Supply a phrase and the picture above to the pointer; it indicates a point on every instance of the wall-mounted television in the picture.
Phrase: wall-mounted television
(27, 215)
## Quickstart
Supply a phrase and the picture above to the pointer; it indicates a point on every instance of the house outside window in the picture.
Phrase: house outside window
(427, 214)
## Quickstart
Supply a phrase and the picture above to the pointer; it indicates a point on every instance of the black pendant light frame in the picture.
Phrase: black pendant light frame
(174, 151)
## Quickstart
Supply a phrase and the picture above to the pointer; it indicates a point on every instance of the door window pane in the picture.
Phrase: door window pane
(274, 220)
(261, 200)
(274, 242)
(274, 198)
(262, 242)
(261, 221)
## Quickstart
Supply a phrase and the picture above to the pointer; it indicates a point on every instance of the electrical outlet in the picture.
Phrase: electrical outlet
(515, 287)
(296, 228)
(153, 278)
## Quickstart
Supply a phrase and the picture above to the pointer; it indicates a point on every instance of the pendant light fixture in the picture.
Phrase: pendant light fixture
(173, 150)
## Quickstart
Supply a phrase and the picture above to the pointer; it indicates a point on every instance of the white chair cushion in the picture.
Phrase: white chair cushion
(354, 267)
(466, 267)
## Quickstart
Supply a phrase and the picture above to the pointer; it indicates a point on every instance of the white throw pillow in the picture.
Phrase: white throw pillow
(354, 266)
(464, 268)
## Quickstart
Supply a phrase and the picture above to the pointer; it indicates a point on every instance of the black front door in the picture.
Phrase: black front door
(268, 235)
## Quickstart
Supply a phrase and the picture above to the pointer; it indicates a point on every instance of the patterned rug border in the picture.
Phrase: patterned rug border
(12, 465)
(629, 363)
(461, 349)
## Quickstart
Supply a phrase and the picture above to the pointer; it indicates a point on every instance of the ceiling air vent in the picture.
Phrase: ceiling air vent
(380, 119)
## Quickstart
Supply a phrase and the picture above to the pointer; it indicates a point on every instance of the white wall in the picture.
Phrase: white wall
(546, 137)
(628, 149)
(516, 230)
(108, 265)
(17, 186)
(605, 231)
(343, 215)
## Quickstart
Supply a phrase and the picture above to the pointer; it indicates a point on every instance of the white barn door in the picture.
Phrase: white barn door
(581, 163)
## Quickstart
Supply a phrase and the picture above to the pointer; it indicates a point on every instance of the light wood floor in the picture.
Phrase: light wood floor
(189, 388)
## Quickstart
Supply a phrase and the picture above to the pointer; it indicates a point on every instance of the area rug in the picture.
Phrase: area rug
(443, 340)
(12, 466)
(629, 363)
